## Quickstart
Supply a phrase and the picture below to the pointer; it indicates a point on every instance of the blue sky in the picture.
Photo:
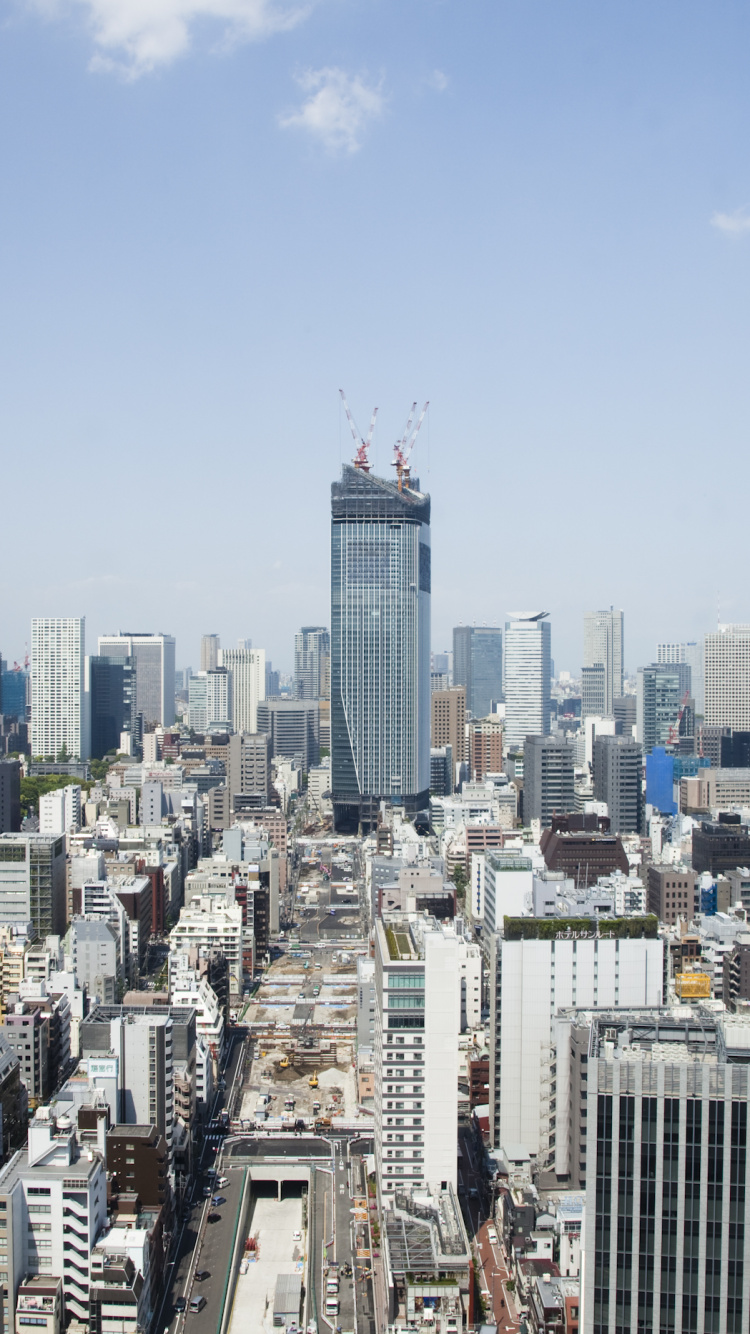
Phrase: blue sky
(217, 212)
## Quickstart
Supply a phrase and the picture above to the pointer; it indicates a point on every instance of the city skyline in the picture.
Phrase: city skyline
(589, 314)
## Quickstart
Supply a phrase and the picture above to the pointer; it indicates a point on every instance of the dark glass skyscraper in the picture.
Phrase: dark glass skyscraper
(380, 647)
(111, 687)
(478, 665)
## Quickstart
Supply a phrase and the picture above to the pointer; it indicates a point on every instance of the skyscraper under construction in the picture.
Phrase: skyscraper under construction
(380, 645)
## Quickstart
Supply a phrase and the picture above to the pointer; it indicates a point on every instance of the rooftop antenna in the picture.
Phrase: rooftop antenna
(361, 458)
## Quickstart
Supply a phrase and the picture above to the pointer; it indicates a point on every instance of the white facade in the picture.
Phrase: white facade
(532, 981)
(248, 668)
(603, 635)
(210, 699)
(727, 678)
(416, 1052)
(211, 922)
(153, 656)
(188, 990)
(55, 1209)
(508, 887)
(475, 896)
(60, 811)
(527, 677)
(58, 721)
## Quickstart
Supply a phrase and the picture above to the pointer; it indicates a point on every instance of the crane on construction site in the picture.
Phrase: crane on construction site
(674, 730)
(403, 447)
(362, 456)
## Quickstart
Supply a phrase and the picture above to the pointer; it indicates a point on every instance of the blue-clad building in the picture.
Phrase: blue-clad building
(660, 781)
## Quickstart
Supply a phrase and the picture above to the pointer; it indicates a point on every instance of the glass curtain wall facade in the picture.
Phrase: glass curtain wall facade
(380, 648)
(478, 665)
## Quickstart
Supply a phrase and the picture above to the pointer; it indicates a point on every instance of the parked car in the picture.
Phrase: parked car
(201, 1274)
(197, 1304)
(179, 1303)
(216, 1218)
(217, 1200)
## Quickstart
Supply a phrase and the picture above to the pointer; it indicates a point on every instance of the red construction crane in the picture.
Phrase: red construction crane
(402, 449)
(674, 730)
(361, 458)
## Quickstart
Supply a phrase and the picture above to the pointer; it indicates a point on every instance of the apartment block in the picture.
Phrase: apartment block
(449, 721)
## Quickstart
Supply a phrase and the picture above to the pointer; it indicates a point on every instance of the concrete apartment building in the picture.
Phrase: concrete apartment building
(58, 715)
(60, 811)
(618, 781)
(417, 1016)
(249, 769)
(248, 668)
(485, 747)
(448, 722)
(548, 778)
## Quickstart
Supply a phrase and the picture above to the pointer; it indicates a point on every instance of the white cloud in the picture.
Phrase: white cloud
(733, 224)
(133, 37)
(438, 81)
(338, 108)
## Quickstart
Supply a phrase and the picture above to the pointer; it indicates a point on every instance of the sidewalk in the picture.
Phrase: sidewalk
(496, 1275)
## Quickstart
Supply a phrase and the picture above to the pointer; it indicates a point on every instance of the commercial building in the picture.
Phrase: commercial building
(671, 893)
(618, 780)
(448, 723)
(58, 715)
(312, 662)
(660, 780)
(661, 690)
(380, 647)
(736, 974)
(603, 647)
(548, 773)
(33, 882)
(153, 658)
(527, 677)
(294, 728)
(110, 694)
(692, 653)
(535, 971)
(583, 856)
(210, 700)
(441, 771)
(417, 1016)
(10, 796)
(210, 649)
(666, 1110)
(721, 845)
(478, 666)
(248, 668)
(727, 678)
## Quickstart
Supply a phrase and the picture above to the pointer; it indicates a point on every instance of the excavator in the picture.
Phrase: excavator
(313, 1081)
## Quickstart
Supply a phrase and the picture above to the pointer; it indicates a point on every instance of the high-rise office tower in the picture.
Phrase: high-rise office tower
(417, 1022)
(660, 692)
(248, 668)
(527, 676)
(727, 678)
(548, 774)
(380, 647)
(618, 780)
(478, 665)
(153, 656)
(58, 714)
(690, 652)
(312, 656)
(603, 638)
(210, 699)
(661, 1106)
(210, 646)
(110, 695)
(294, 728)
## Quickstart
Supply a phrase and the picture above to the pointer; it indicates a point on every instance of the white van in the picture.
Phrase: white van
(332, 1287)
(332, 1305)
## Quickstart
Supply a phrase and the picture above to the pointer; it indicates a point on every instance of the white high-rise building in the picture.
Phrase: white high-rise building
(418, 996)
(727, 678)
(531, 979)
(527, 676)
(690, 652)
(153, 656)
(248, 669)
(210, 699)
(60, 811)
(603, 637)
(58, 721)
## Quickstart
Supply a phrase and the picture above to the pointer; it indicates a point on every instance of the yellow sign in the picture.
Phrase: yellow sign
(693, 986)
